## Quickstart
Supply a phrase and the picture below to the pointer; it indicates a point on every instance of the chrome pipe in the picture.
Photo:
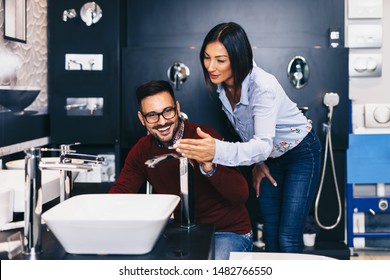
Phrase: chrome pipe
(187, 190)
(33, 203)
(187, 194)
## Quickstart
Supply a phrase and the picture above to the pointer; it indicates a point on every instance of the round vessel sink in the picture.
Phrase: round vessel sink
(17, 98)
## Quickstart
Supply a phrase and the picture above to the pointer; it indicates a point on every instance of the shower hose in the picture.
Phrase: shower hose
(328, 146)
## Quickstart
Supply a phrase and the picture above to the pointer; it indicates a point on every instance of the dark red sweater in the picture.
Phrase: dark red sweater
(219, 199)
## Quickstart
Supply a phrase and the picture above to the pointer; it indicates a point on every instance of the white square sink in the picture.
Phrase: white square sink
(6, 205)
(15, 180)
(110, 223)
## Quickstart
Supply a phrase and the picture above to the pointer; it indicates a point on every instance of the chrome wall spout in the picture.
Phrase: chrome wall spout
(76, 106)
(187, 190)
(75, 62)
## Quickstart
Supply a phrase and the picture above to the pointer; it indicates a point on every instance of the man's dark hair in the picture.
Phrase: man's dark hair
(153, 87)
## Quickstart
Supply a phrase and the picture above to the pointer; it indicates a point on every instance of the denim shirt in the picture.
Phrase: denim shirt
(267, 121)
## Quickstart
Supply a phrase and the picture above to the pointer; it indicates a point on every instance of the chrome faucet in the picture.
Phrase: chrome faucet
(66, 174)
(72, 61)
(33, 185)
(92, 105)
(65, 166)
(187, 190)
(33, 203)
(75, 106)
(71, 13)
(178, 74)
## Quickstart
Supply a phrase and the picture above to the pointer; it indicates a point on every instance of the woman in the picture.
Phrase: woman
(276, 136)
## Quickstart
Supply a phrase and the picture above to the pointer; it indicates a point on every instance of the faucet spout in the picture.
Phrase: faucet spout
(84, 157)
(187, 189)
(65, 166)
(151, 163)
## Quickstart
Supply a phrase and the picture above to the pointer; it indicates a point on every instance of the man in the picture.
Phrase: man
(220, 192)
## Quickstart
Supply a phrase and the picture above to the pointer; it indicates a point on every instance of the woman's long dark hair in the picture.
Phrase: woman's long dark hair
(236, 42)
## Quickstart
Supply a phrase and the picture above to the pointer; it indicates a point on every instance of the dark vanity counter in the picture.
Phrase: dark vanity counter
(18, 128)
(175, 243)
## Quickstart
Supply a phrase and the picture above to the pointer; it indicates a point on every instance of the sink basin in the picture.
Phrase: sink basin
(17, 98)
(110, 223)
(6, 205)
(14, 179)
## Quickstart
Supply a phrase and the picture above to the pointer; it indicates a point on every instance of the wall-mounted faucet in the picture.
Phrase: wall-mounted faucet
(84, 106)
(91, 13)
(178, 74)
(72, 61)
(298, 71)
(84, 62)
(187, 190)
(71, 13)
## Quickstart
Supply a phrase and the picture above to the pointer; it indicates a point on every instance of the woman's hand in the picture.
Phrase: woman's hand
(258, 173)
(202, 150)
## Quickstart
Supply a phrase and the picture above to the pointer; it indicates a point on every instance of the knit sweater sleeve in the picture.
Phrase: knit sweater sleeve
(133, 174)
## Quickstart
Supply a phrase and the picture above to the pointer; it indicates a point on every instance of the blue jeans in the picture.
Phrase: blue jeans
(226, 242)
(284, 208)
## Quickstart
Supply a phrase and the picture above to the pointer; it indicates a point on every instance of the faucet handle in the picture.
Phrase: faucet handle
(65, 148)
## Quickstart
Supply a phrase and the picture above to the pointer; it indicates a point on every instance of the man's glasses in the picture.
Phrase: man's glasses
(153, 117)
